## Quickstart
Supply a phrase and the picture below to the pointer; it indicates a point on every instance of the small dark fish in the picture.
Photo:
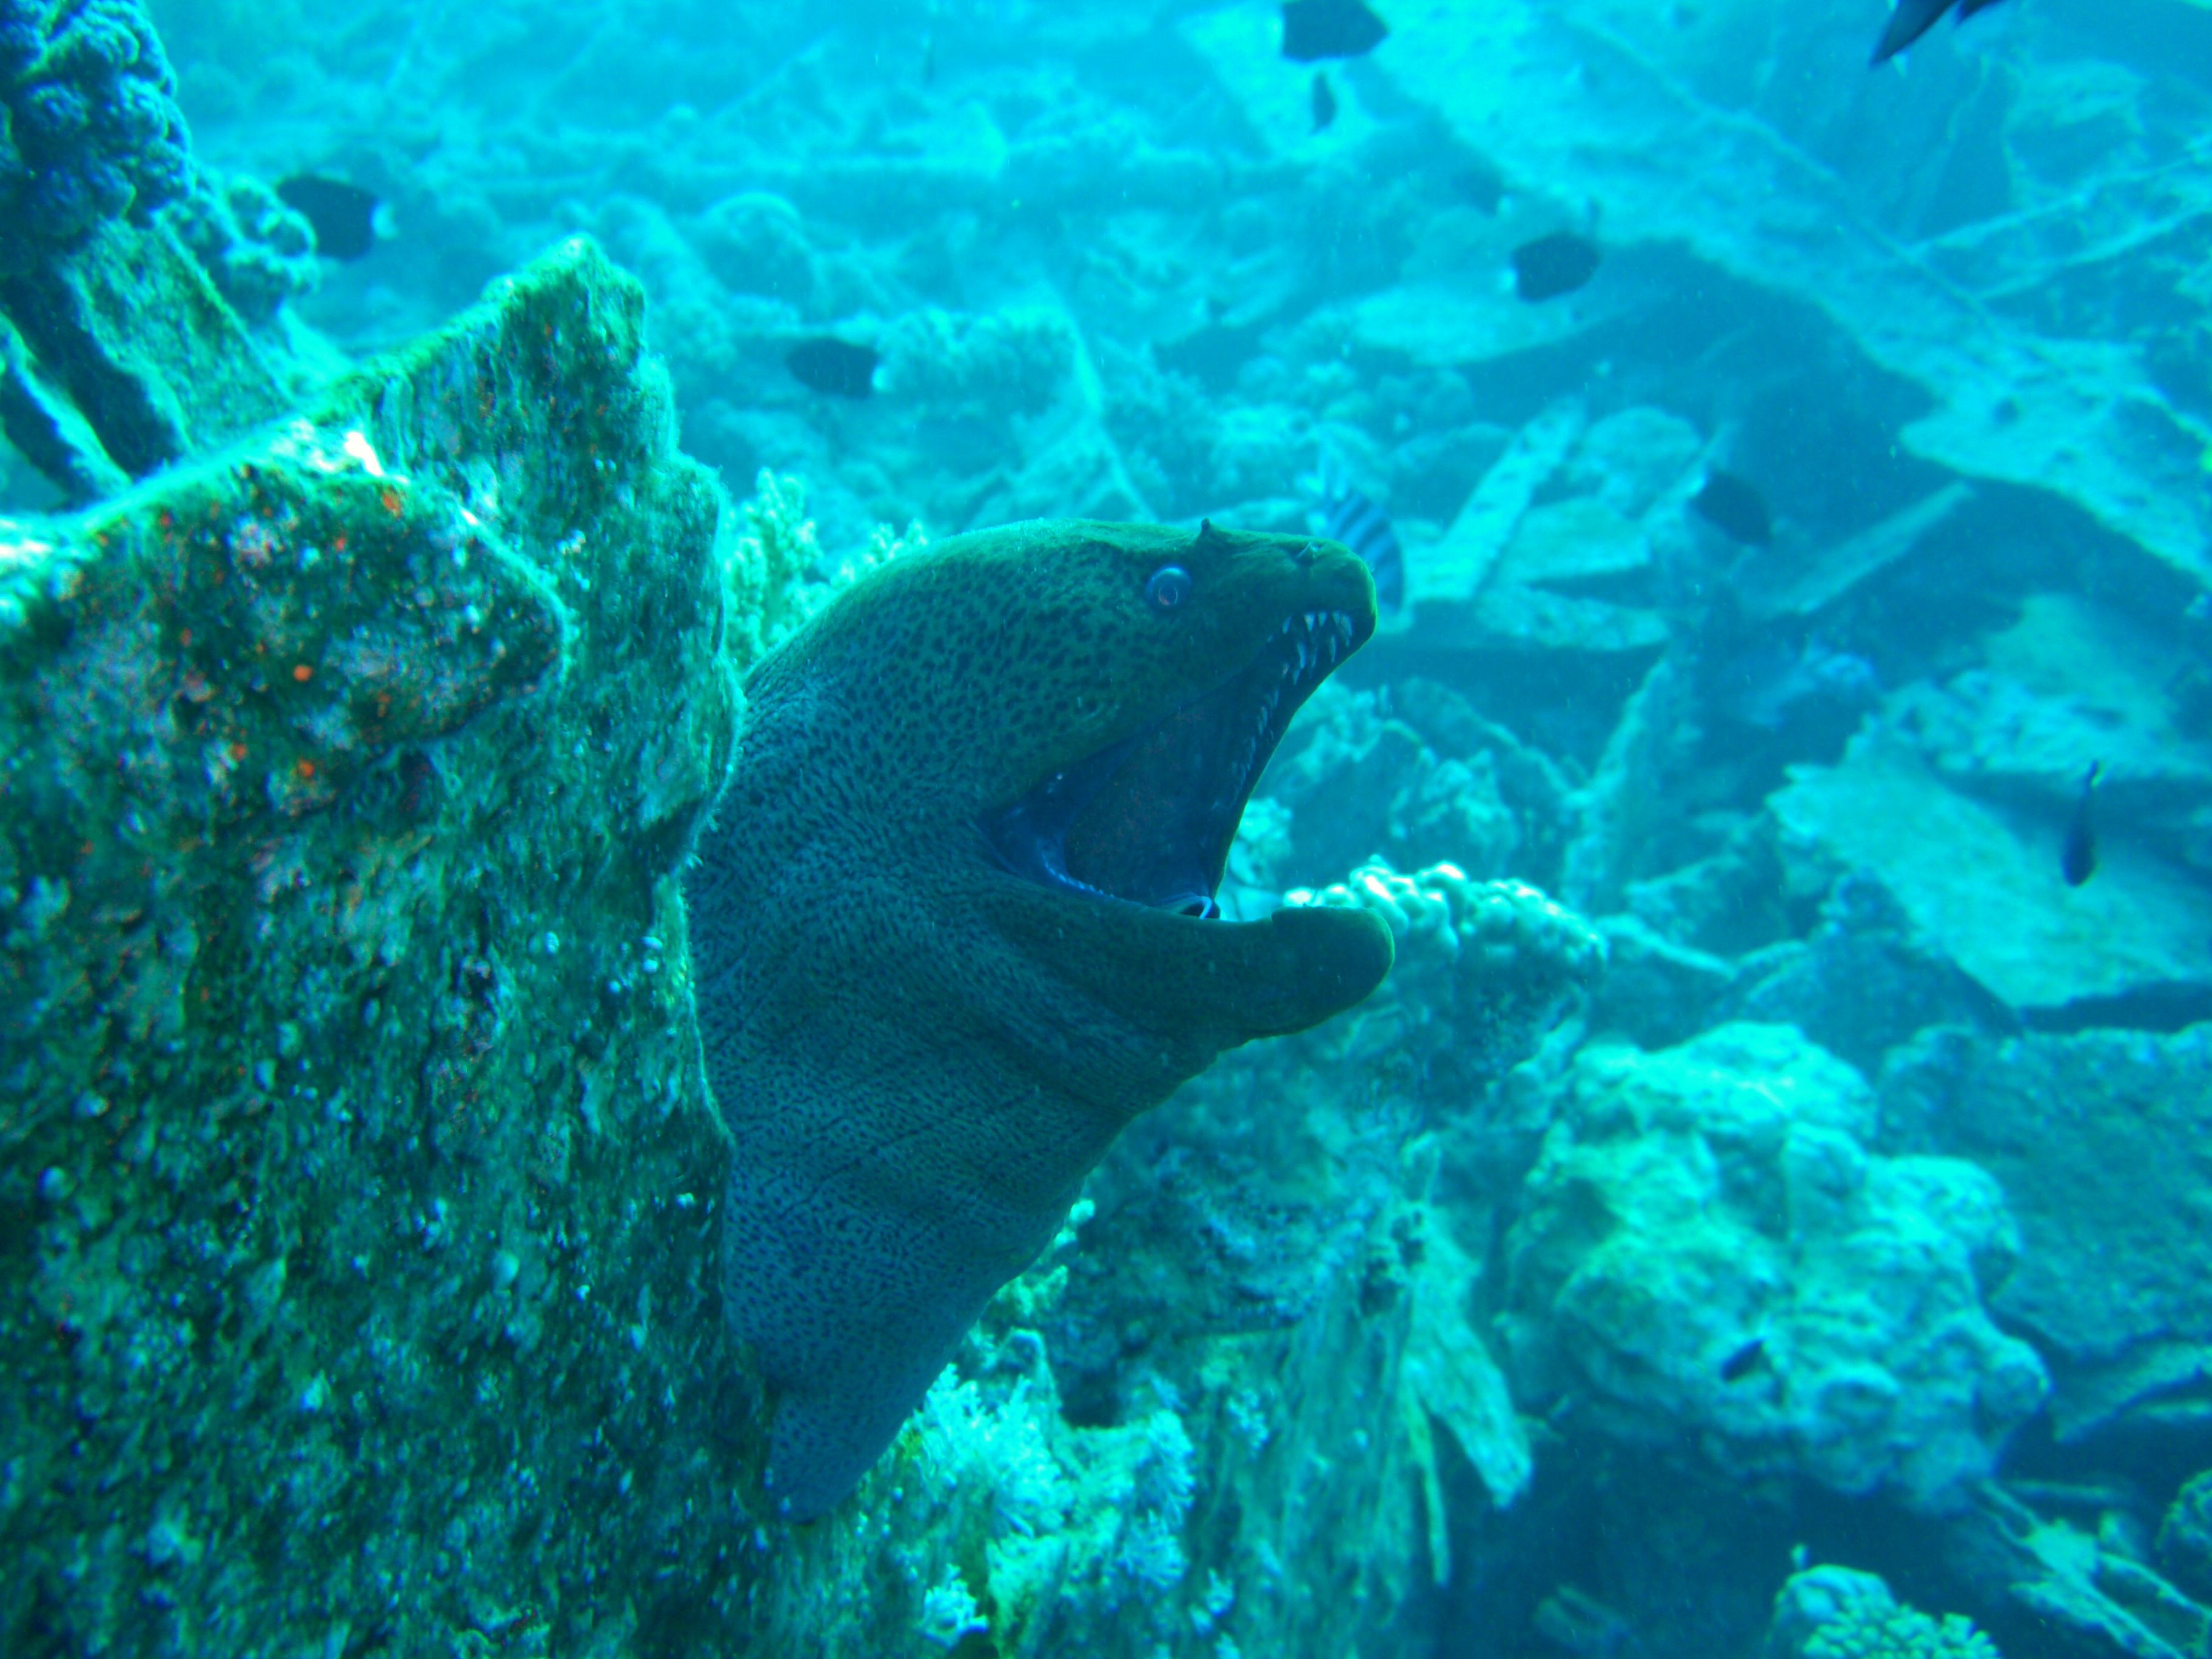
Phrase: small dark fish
(1744, 1361)
(1344, 515)
(2077, 862)
(1728, 503)
(342, 215)
(827, 364)
(1324, 101)
(1914, 18)
(1553, 266)
(1314, 29)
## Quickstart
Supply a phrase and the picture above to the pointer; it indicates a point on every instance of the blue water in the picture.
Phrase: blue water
(1795, 482)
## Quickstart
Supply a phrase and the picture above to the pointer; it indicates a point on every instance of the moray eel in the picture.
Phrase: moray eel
(953, 926)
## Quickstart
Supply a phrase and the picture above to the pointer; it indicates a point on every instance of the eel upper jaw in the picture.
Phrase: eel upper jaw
(1149, 818)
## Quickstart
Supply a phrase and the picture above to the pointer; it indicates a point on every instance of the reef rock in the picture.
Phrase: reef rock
(1363, 785)
(1709, 1254)
(2099, 1139)
(348, 1120)
(2071, 683)
(1863, 981)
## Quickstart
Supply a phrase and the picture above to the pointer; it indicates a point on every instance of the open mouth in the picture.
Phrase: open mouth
(1149, 818)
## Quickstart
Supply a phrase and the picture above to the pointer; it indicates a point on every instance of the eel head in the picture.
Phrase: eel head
(954, 925)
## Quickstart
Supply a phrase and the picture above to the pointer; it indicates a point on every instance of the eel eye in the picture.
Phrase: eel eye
(1166, 588)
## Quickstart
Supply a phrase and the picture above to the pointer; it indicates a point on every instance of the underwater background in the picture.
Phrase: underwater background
(1767, 1211)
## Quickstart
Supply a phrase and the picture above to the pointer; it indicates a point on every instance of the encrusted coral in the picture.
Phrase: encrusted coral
(1708, 1253)
(775, 569)
(259, 252)
(1834, 1613)
(1029, 1515)
(1090, 1513)
(116, 358)
(287, 860)
(1483, 969)
(92, 131)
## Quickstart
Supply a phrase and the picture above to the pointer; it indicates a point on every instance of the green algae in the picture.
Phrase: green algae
(353, 1190)
(356, 1184)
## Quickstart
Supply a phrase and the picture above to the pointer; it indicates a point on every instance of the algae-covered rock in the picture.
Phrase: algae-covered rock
(1457, 567)
(2085, 1592)
(119, 357)
(1516, 620)
(1708, 1255)
(1450, 1376)
(1658, 993)
(351, 1103)
(1629, 459)
(360, 1298)
(2100, 1140)
(2069, 685)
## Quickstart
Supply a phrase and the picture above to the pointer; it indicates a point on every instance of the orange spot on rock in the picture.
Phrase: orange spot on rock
(390, 500)
(303, 768)
(301, 672)
(237, 751)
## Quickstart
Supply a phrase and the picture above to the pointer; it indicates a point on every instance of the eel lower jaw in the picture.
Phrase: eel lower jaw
(1149, 818)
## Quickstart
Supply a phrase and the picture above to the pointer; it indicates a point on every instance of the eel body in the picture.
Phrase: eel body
(952, 928)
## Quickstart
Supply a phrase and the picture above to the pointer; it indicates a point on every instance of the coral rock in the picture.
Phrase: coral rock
(1708, 1253)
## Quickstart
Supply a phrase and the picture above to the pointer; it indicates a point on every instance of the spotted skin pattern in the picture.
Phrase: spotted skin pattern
(918, 1055)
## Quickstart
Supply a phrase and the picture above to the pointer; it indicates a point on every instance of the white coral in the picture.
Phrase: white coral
(949, 1613)
(1001, 1446)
